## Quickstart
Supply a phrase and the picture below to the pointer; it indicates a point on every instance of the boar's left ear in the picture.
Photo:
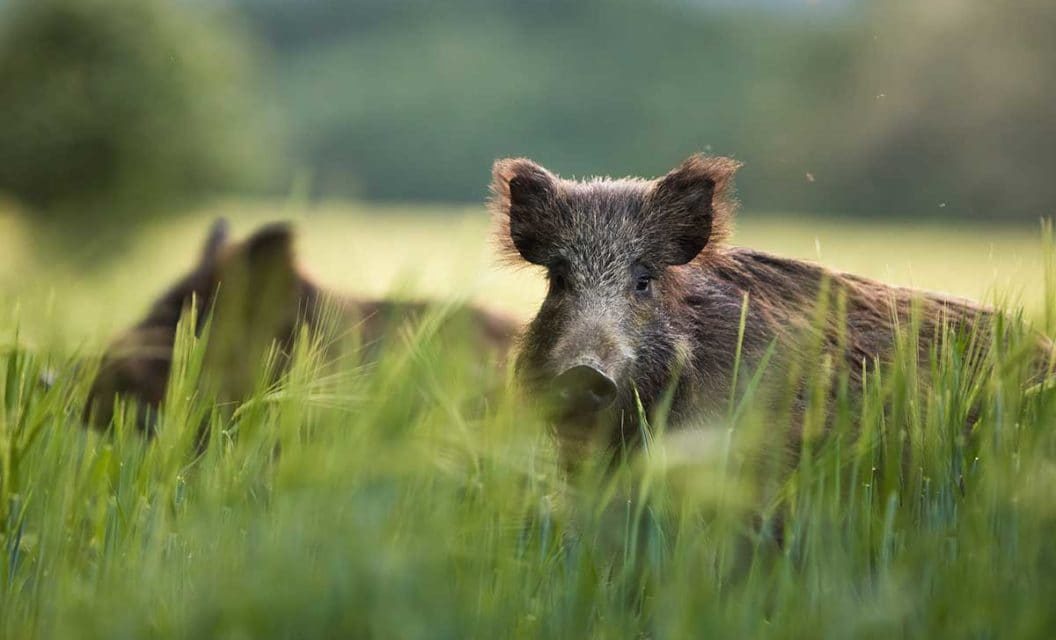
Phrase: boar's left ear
(691, 207)
(215, 241)
(523, 199)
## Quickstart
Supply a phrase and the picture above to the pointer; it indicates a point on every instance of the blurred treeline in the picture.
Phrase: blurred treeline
(114, 108)
(900, 107)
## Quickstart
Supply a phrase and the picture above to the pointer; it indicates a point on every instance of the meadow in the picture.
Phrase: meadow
(390, 501)
(442, 252)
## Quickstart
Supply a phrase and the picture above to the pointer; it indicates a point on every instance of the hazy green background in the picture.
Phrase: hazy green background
(851, 108)
(870, 133)
(911, 141)
(896, 109)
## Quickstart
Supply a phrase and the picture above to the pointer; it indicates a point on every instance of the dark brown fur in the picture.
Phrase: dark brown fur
(600, 240)
(263, 299)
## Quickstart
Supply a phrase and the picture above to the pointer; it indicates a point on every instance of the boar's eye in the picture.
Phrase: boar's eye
(558, 278)
(643, 280)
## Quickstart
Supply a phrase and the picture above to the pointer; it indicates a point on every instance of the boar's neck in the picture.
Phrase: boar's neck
(166, 311)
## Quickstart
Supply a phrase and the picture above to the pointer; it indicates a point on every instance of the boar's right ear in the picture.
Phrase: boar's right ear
(260, 268)
(523, 198)
(258, 303)
(271, 245)
(272, 266)
(691, 207)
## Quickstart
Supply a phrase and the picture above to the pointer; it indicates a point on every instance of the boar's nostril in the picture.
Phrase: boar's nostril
(585, 389)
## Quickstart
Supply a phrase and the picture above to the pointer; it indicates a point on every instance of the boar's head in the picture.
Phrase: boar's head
(610, 332)
(252, 292)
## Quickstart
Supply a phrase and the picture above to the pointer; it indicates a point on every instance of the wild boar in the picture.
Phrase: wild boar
(646, 297)
(255, 296)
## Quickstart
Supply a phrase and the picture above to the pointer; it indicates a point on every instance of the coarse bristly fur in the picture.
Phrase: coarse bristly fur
(644, 289)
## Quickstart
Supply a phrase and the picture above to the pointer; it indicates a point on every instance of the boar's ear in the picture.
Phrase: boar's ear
(258, 303)
(272, 269)
(215, 241)
(259, 272)
(523, 198)
(271, 248)
(691, 207)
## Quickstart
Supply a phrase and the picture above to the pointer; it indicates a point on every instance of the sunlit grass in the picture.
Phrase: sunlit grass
(437, 252)
(392, 503)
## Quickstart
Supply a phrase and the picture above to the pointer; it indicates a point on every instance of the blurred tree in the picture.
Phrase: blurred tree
(110, 108)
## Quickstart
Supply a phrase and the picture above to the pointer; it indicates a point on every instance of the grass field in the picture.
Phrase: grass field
(388, 502)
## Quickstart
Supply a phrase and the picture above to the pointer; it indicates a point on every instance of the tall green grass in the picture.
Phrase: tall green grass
(413, 497)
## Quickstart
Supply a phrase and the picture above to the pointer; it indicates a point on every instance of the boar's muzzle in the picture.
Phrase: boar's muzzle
(584, 390)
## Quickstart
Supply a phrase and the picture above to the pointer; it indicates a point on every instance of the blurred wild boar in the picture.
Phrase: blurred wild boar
(255, 297)
(645, 297)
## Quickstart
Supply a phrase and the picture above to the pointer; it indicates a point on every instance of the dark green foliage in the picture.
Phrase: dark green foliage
(418, 105)
(109, 107)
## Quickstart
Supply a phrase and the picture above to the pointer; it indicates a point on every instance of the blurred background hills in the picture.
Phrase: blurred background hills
(899, 109)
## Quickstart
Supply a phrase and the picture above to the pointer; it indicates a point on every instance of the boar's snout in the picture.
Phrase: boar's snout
(584, 390)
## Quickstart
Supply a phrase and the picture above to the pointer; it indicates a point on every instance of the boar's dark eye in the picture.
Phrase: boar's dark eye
(643, 281)
(558, 279)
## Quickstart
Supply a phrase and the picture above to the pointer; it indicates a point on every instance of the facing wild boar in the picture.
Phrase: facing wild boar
(256, 296)
(646, 297)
